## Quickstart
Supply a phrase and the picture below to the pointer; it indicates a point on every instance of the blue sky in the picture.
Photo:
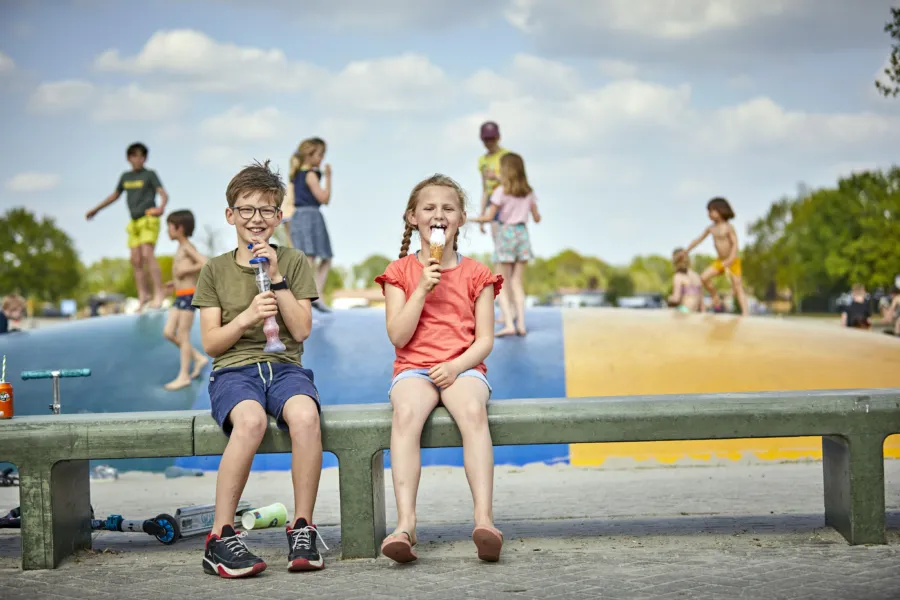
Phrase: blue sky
(630, 115)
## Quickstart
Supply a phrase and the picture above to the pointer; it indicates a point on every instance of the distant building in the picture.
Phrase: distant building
(575, 298)
(357, 298)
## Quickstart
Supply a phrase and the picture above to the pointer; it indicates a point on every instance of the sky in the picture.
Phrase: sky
(630, 114)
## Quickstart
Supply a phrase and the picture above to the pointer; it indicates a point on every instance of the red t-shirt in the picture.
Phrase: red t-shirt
(446, 326)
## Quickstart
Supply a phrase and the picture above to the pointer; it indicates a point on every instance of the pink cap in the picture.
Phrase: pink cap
(490, 131)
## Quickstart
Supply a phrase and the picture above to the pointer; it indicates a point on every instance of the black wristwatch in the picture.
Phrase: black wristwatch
(282, 285)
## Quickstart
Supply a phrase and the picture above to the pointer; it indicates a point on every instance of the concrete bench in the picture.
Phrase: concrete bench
(52, 451)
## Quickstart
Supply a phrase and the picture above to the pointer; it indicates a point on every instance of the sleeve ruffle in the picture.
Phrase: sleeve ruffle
(483, 282)
(386, 278)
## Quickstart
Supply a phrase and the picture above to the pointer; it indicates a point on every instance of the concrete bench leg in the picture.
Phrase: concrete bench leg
(56, 512)
(853, 470)
(361, 478)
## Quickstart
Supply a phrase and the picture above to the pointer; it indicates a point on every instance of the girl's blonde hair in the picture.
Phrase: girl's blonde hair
(681, 261)
(512, 175)
(303, 152)
(438, 180)
(13, 301)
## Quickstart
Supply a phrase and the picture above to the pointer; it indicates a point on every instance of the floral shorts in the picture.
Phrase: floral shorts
(512, 244)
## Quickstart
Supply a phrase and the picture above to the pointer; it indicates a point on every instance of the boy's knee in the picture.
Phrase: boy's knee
(169, 334)
(474, 414)
(250, 424)
(301, 415)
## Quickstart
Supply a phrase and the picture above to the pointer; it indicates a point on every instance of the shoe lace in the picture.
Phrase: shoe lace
(301, 538)
(235, 544)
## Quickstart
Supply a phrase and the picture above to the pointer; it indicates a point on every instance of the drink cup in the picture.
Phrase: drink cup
(273, 515)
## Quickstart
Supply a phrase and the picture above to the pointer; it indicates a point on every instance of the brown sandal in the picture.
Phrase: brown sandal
(398, 549)
(489, 542)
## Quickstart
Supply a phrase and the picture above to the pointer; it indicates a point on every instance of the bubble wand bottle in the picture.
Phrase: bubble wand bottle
(270, 325)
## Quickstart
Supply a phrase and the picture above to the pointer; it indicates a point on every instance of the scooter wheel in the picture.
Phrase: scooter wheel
(171, 530)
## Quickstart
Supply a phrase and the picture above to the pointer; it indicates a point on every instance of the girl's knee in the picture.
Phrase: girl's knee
(473, 415)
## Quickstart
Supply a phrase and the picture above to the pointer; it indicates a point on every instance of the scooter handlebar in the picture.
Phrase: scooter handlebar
(60, 373)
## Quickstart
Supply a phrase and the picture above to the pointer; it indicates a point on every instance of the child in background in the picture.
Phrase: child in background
(687, 287)
(12, 309)
(857, 314)
(248, 384)
(307, 227)
(141, 186)
(186, 266)
(440, 319)
(511, 202)
(726, 243)
(489, 169)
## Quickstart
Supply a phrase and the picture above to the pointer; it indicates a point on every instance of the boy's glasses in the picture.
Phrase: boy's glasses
(248, 212)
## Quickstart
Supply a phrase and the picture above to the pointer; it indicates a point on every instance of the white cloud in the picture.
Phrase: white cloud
(202, 63)
(240, 125)
(707, 30)
(133, 103)
(6, 63)
(408, 83)
(33, 181)
(128, 103)
(617, 69)
(60, 97)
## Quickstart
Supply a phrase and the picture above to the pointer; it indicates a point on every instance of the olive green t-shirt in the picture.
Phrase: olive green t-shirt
(225, 284)
(140, 188)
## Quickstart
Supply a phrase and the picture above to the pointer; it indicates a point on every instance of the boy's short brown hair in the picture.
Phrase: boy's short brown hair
(721, 206)
(858, 288)
(183, 219)
(257, 177)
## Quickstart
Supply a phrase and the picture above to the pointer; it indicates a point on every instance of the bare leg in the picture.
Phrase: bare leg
(183, 338)
(140, 276)
(706, 280)
(508, 319)
(322, 275)
(739, 294)
(506, 316)
(152, 265)
(517, 291)
(306, 453)
(466, 399)
(249, 421)
(413, 400)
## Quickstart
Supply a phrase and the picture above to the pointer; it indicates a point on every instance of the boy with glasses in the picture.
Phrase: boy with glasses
(247, 384)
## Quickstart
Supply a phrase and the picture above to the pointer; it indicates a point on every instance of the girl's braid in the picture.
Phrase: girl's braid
(407, 238)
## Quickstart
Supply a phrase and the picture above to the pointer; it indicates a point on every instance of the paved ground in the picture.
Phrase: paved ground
(738, 531)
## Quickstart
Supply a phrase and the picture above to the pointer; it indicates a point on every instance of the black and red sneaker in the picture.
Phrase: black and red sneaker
(303, 553)
(227, 555)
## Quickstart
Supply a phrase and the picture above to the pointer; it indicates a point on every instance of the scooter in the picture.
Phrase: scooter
(187, 522)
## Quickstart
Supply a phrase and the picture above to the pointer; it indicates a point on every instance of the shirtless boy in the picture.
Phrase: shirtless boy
(726, 243)
(186, 265)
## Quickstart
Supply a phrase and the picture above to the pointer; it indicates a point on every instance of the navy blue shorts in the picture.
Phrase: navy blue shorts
(184, 302)
(270, 384)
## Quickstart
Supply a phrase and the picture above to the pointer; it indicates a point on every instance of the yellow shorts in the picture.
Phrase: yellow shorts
(143, 231)
(734, 269)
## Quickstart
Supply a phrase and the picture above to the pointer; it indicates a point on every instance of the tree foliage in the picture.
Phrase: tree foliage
(620, 285)
(38, 258)
(891, 87)
(823, 241)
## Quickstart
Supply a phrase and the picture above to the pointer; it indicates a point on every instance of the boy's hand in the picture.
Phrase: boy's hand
(90, 214)
(431, 275)
(156, 211)
(443, 375)
(170, 286)
(264, 305)
(262, 248)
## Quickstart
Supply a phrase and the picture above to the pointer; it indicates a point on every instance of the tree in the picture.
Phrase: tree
(892, 72)
(116, 276)
(620, 285)
(39, 259)
(334, 281)
(210, 241)
(364, 273)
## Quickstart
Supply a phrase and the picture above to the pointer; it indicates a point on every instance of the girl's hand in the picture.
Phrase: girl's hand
(431, 275)
(327, 170)
(261, 248)
(443, 375)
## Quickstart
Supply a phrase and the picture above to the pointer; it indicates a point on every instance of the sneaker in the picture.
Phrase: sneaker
(302, 541)
(227, 555)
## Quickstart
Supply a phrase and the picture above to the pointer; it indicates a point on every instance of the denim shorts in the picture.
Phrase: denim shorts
(270, 384)
(423, 374)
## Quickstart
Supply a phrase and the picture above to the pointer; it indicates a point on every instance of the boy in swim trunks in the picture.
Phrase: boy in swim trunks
(726, 243)
(141, 186)
(186, 265)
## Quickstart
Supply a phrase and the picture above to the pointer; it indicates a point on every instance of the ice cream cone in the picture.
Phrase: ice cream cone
(437, 251)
